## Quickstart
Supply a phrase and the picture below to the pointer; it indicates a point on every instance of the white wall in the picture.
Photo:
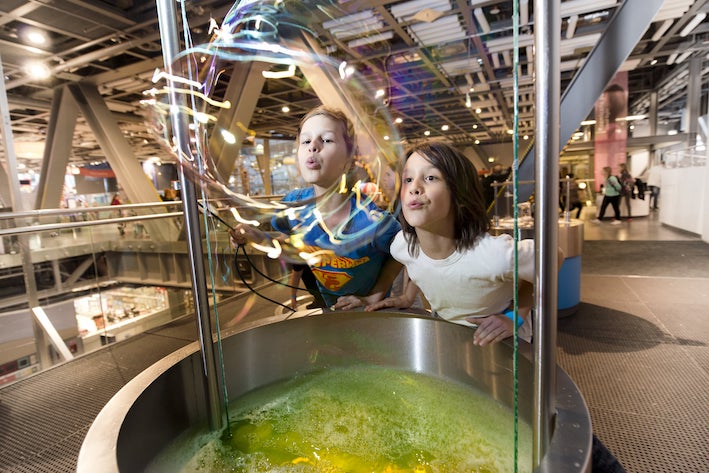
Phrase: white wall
(683, 195)
(704, 197)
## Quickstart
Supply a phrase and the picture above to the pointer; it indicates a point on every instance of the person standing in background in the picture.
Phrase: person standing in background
(611, 195)
(654, 180)
(498, 174)
(627, 187)
(121, 226)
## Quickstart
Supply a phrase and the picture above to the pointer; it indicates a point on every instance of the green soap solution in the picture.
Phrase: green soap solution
(359, 419)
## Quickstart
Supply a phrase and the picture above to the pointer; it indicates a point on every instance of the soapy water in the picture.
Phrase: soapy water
(199, 124)
(357, 419)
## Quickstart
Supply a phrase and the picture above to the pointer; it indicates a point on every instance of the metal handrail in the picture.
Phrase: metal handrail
(48, 227)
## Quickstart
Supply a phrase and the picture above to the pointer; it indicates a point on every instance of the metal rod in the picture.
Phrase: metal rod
(547, 114)
(167, 19)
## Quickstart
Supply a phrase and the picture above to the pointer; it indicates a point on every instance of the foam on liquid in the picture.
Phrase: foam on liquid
(361, 419)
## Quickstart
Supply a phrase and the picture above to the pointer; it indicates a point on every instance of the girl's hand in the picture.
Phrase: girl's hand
(348, 303)
(491, 329)
(397, 302)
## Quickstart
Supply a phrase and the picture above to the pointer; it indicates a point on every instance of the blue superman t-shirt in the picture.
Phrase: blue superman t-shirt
(354, 256)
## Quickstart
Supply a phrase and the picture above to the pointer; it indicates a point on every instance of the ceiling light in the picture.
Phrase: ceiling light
(491, 159)
(475, 126)
(37, 70)
(653, 62)
(693, 24)
(525, 137)
(478, 110)
(426, 133)
(398, 120)
(285, 109)
(444, 128)
(371, 39)
(468, 102)
(477, 142)
(36, 37)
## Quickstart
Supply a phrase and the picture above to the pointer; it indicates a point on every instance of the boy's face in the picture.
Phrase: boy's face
(425, 196)
(322, 152)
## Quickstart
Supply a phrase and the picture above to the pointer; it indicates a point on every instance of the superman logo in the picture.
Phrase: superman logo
(331, 280)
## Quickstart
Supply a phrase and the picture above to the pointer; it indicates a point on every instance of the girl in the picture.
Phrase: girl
(349, 235)
(611, 195)
(465, 273)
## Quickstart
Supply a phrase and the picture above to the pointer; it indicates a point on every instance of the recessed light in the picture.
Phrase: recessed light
(37, 70)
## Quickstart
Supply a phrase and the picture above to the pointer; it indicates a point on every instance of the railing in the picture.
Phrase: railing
(99, 277)
(688, 157)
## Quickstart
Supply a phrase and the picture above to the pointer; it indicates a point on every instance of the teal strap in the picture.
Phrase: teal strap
(510, 314)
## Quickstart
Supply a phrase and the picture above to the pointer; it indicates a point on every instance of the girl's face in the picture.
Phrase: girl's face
(426, 200)
(322, 152)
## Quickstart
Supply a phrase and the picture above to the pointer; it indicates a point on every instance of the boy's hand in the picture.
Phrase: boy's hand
(242, 234)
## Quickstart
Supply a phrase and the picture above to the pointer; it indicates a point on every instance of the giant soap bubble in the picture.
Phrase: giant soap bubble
(220, 90)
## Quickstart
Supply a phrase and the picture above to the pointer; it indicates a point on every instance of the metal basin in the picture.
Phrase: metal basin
(168, 398)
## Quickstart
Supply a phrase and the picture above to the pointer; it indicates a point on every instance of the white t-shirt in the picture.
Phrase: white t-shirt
(477, 282)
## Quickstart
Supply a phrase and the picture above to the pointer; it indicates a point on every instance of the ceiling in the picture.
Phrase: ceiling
(431, 55)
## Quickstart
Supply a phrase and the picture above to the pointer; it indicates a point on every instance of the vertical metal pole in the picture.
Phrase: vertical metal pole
(167, 18)
(547, 114)
(42, 349)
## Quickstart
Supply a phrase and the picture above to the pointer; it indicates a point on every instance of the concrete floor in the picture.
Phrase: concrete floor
(636, 347)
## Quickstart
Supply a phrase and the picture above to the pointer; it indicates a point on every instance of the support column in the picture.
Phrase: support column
(243, 91)
(264, 164)
(652, 118)
(120, 155)
(57, 149)
(694, 96)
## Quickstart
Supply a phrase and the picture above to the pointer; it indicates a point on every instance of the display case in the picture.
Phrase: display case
(120, 313)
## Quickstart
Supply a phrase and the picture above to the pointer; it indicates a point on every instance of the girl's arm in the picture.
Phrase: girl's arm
(401, 301)
(497, 327)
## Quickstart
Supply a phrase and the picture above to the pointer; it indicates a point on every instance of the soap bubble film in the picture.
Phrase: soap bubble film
(215, 91)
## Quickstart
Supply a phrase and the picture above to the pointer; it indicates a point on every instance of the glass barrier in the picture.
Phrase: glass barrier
(99, 276)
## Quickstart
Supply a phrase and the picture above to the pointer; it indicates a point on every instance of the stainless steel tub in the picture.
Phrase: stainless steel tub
(167, 399)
